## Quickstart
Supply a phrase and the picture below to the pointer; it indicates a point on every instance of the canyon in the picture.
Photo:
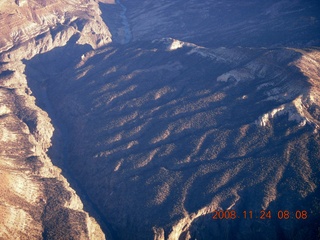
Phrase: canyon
(139, 120)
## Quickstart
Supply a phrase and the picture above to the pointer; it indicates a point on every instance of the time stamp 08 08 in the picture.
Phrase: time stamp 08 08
(263, 214)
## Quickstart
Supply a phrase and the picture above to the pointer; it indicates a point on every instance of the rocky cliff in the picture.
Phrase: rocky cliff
(38, 26)
(36, 200)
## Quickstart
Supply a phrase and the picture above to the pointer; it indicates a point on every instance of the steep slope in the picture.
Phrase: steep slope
(166, 134)
(39, 26)
(36, 200)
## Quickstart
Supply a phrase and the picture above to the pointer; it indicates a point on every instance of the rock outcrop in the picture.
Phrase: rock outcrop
(36, 200)
(39, 26)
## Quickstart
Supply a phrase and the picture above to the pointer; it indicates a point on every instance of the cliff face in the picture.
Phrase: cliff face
(36, 200)
(39, 26)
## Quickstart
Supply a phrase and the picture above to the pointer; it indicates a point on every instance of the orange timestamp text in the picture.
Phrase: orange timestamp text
(263, 214)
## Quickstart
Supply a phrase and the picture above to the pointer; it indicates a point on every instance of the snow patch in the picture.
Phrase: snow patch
(175, 45)
(235, 75)
(296, 112)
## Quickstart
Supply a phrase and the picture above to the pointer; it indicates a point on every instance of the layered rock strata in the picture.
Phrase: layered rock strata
(36, 201)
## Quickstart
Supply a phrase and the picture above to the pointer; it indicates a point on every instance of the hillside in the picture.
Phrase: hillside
(159, 114)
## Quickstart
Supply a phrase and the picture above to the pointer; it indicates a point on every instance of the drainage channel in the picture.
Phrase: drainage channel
(59, 154)
(127, 35)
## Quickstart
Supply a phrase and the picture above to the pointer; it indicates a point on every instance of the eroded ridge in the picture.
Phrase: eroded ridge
(36, 200)
(182, 130)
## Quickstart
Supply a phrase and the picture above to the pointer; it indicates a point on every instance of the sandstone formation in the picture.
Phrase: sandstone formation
(36, 200)
(39, 26)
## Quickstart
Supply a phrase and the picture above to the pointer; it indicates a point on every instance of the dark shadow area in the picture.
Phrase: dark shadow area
(97, 95)
(114, 15)
(39, 70)
(215, 24)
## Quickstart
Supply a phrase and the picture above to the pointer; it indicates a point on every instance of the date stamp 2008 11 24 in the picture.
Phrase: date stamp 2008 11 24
(263, 214)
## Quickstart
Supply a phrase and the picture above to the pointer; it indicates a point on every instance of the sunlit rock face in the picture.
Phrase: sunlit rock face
(32, 27)
(36, 200)
(196, 106)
